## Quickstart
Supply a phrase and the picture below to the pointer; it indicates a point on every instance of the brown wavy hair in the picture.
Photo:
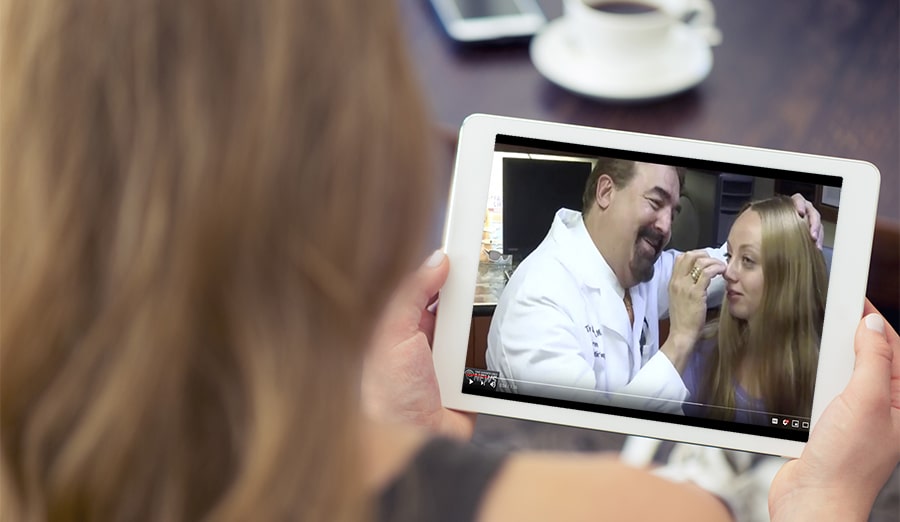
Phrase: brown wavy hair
(205, 204)
(782, 339)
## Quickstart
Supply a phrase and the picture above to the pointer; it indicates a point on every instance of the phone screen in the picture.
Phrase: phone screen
(486, 8)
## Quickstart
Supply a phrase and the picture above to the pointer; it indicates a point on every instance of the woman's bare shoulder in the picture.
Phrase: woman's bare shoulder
(535, 486)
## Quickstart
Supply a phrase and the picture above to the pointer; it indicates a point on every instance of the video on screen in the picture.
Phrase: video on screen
(651, 286)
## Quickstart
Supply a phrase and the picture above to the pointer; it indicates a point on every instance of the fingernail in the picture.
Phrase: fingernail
(435, 259)
(875, 322)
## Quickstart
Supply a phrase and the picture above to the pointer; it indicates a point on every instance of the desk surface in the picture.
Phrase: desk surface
(815, 76)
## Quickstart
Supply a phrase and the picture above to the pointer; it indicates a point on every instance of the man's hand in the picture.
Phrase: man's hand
(688, 288)
(856, 444)
(399, 383)
(808, 212)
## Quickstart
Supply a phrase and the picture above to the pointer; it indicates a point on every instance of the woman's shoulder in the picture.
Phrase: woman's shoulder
(445, 479)
(442, 479)
(414, 475)
(584, 486)
(698, 362)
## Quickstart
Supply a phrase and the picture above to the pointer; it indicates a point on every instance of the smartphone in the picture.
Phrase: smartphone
(479, 21)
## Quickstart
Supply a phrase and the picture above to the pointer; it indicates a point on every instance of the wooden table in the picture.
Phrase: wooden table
(815, 76)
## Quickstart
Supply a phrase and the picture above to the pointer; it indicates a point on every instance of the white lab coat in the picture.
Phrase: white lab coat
(561, 329)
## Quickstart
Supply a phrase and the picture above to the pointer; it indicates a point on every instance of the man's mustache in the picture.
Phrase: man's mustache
(654, 237)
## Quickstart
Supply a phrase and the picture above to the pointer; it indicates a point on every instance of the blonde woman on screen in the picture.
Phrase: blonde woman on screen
(763, 361)
(210, 214)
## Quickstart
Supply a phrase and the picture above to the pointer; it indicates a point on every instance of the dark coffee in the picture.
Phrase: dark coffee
(624, 7)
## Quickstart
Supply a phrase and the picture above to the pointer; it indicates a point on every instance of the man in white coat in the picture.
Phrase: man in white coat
(563, 328)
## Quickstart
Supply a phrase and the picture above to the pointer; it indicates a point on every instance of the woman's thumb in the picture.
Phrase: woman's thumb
(429, 278)
(873, 352)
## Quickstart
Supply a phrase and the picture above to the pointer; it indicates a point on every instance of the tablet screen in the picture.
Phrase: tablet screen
(551, 323)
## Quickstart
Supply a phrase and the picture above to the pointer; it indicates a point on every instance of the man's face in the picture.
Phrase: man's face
(643, 212)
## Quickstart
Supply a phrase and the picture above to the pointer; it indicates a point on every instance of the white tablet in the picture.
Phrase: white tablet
(533, 321)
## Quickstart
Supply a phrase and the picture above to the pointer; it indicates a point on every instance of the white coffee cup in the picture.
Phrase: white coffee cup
(628, 29)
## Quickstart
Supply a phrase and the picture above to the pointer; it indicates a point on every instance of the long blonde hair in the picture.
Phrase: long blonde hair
(783, 337)
(205, 204)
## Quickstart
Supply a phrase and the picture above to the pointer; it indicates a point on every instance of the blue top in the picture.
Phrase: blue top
(748, 409)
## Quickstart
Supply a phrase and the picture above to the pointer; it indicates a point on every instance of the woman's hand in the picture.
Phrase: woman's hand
(688, 288)
(856, 444)
(399, 383)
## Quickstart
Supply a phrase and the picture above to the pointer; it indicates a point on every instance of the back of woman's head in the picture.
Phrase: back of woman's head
(204, 206)
(783, 336)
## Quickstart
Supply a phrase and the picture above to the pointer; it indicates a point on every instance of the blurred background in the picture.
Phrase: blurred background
(813, 76)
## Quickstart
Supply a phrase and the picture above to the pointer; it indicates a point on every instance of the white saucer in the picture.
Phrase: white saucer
(684, 62)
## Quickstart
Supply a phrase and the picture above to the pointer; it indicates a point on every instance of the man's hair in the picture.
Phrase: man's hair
(621, 171)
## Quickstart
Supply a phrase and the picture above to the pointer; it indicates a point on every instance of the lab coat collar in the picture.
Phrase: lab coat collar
(588, 266)
(592, 269)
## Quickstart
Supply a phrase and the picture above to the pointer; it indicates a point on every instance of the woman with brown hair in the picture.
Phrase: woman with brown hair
(763, 361)
(206, 206)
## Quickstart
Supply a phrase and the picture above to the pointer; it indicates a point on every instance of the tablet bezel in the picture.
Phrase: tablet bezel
(462, 243)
